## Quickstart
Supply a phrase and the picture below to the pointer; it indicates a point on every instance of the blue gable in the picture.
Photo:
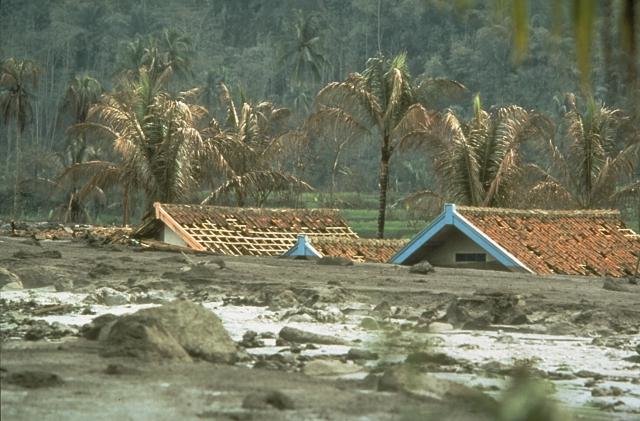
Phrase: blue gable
(451, 218)
(302, 248)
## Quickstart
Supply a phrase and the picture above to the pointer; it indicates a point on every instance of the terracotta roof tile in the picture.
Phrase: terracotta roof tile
(248, 231)
(358, 249)
(564, 242)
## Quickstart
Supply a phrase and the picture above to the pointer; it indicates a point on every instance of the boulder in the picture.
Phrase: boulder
(437, 358)
(485, 308)
(409, 380)
(108, 297)
(422, 268)
(198, 273)
(439, 327)
(267, 400)
(334, 261)
(178, 330)
(41, 329)
(37, 276)
(284, 299)
(325, 367)
(142, 337)
(369, 323)
(9, 280)
(291, 334)
(250, 340)
(94, 329)
(361, 354)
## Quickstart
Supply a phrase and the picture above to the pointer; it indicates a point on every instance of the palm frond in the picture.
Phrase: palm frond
(360, 104)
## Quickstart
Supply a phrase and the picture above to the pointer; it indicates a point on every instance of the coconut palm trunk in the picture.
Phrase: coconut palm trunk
(15, 213)
(384, 183)
(125, 206)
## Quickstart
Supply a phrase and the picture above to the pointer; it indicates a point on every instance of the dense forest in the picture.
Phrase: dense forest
(110, 105)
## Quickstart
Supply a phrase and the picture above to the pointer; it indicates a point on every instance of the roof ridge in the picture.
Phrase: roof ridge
(611, 213)
(381, 241)
(246, 209)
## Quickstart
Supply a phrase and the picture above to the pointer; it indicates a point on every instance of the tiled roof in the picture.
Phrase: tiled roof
(247, 231)
(358, 249)
(563, 242)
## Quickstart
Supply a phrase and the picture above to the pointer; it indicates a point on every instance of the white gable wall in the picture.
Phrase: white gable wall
(456, 242)
(170, 237)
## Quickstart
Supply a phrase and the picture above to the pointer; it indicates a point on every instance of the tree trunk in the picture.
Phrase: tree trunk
(384, 184)
(607, 53)
(334, 169)
(15, 213)
(125, 206)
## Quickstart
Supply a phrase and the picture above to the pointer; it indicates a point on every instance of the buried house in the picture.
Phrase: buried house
(240, 231)
(355, 249)
(593, 242)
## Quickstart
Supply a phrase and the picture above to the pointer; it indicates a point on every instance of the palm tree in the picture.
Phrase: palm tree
(589, 169)
(249, 144)
(477, 163)
(383, 102)
(17, 77)
(155, 138)
(173, 50)
(82, 92)
(303, 53)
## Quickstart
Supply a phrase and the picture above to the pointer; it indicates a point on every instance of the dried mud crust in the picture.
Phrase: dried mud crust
(174, 389)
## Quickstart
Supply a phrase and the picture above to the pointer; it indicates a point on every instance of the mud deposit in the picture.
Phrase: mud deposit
(299, 340)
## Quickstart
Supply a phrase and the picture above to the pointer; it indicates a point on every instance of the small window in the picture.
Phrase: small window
(471, 257)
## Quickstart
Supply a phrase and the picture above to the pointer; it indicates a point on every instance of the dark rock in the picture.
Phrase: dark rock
(119, 370)
(587, 373)
(334, 261)
(92, 330)
(100, 270)
(486, 308)
(284, 299)
(176, 330)
(361, 354)
(33, 379)
(422, 268)
(294, 335)
(199, 273)
(633, 359)
(40, 329)
(250, 340)
(383, 309)
(612, 391)
(430, 358)
(267, 400)
(144, 338)
(611, 284)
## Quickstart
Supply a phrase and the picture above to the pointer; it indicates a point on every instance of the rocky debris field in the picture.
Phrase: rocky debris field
(96, 329)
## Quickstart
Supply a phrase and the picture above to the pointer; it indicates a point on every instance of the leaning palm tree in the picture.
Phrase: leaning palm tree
(17, 77)
(589, 168)
(155, 138)
(380, 102)
(249, 143)
(477, 163)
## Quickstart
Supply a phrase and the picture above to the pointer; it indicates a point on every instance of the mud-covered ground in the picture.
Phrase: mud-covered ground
(363, 341)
